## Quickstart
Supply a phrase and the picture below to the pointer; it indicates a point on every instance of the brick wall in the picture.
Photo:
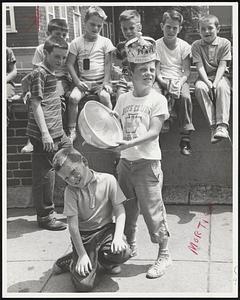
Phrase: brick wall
(19, 166)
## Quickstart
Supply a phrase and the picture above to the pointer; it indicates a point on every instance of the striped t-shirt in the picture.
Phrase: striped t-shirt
(95, 52)
(43, 87)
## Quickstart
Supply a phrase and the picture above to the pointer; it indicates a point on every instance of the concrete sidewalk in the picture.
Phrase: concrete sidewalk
(207, 269)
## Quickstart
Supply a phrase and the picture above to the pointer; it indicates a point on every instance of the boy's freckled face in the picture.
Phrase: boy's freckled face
(130, 28)
(93, 26)
(144, 75)
(74, 174)
(208, 31)
(171, 29)
(56, 58)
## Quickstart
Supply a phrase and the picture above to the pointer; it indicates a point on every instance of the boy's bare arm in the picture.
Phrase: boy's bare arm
(118, 243)
(47, 140)
(163, 83)
(83, 266)
(203, 75)
(70, 62)
(13, 73)
(153, 132)
(186, 70)
(220, 72)
(107, 72)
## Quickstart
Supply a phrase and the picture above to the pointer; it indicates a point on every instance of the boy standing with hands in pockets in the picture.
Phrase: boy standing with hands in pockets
(142, 113)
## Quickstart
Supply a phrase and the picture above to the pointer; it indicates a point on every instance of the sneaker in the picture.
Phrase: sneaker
(52, 224)
(221, 132)
(63, 264)
(213, 139)
(72, 134)
(159, 267)
(185, 147)
(28, 148)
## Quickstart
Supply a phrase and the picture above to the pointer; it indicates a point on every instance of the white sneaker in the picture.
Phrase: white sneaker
(213, 139)
(159, 267)
(221, 132)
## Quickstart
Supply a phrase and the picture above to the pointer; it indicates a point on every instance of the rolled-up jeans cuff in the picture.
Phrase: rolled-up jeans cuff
(45, 218)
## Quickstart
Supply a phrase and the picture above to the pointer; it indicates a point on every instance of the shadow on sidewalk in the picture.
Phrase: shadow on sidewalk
(30, 286)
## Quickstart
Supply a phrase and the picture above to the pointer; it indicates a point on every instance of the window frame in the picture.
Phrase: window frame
(50, 13)
(12, 27)
(78, 14)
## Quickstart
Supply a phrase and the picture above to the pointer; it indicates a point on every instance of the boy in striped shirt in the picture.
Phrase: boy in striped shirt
(45, 130)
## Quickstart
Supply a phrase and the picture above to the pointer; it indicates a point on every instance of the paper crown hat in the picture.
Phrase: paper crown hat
(141, 49)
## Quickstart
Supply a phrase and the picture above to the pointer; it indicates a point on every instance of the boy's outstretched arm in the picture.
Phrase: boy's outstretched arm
(118, 243)
(13, 72)
(84, 265)
(107, 72)
(47, 140)
(220, 72)
(203, 75)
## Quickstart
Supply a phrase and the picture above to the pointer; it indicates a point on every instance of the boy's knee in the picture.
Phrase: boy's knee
(105, 98)
(200, 86)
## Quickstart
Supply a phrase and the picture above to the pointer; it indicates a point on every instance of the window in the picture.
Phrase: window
(63, 12)
(10, 19)
(104, 31)
(77, 21)
(50, 13)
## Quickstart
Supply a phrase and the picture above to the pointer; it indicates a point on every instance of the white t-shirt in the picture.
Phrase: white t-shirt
(135, 114)
(95, 51)
(171, 61)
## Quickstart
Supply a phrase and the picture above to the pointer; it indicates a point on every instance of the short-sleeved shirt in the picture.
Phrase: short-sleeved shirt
(94, 204)
(135, 114)
(39, 57)
(210, 55)
(95, 52)
(10, 60)
(171, 61)
(43, 87)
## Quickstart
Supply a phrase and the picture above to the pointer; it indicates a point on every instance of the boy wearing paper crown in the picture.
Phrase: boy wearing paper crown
(142, 113)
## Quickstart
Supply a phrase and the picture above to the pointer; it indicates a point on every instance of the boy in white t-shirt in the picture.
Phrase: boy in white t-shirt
(93, 54)
(142, 113)
(173, 71)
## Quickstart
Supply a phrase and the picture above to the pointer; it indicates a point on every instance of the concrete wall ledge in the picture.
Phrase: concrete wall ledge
(21, 197)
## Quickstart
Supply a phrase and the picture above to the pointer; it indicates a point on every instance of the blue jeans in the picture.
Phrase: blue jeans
(43, 176)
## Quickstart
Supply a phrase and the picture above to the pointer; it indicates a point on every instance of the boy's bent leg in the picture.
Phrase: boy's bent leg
(105, 98)
(203, 98)
(223, 101)
(73, 101)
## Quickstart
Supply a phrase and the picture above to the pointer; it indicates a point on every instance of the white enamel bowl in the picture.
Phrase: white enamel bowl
(98, 127)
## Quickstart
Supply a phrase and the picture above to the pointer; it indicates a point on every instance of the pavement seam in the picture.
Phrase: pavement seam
(209, 247)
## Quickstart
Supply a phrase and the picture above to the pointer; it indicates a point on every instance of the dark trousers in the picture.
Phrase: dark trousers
(43, 176)
(98, 247)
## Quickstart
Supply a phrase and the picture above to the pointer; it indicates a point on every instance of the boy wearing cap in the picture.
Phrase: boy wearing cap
(142, 113)
(91, 199)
